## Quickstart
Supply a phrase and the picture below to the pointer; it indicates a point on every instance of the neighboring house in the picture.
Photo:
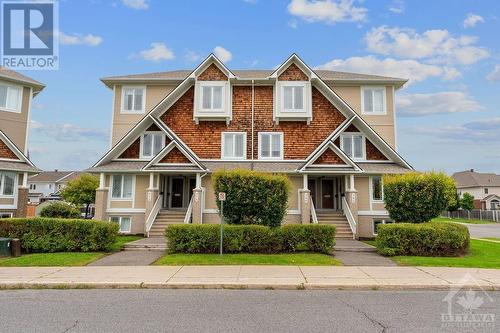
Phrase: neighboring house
(485, 187)
(47, 185)
(332, 133)
(16, 94)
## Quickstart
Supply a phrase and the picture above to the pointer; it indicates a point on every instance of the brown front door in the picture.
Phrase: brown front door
(327, 193)
(177, 192)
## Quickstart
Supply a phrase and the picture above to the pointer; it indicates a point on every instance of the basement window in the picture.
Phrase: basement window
(123, 221)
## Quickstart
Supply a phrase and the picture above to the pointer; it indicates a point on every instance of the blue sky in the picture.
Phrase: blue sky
(448, 115)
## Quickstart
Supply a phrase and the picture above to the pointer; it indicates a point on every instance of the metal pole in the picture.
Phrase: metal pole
(221, 223)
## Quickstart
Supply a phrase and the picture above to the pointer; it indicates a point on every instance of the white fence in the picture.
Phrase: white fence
(476, 214)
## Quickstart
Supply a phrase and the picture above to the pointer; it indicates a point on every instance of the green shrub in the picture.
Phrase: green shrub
(189, 238)
(467, 201)
(427, 239)
(60, 235)
(418, 197)
(61, 210)
(252, 197)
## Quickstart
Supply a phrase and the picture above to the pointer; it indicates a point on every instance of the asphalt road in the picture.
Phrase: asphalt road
(231, 311)
(484, 230)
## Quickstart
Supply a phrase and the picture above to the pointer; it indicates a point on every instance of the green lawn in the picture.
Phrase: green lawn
(305, 259)
(64, 258)
(482, 254)
(370, 242)
(445, 219)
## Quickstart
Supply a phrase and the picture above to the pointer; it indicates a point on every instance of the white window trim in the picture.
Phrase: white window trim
(199, 98)
(281, 146)
(223, 96)
(10, 215)
(301, 84)
(122, 107)
(384, 220)
(120, 223)
(163, 140)
(384, 100)
(121, 198)
(363, 145)
(373, 200)
(2, 185)
(20, 97)
(223, 143)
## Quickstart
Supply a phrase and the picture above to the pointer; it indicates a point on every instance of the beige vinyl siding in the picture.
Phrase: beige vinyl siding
(122, 123)
(6, 201)
(293, 196)
(361, 185)
(210, 202)
(141, 184)
(382, 124)
(14, 125)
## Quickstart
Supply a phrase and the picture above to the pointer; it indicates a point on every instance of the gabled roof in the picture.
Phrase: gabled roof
(54, 176)
(11, 145)
(16, 77)
(491, 196)
(156, 161)
(469, 178)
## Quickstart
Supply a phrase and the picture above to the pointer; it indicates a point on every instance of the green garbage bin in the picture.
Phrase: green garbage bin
(4, 246)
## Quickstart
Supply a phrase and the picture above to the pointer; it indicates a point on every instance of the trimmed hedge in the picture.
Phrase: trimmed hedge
(60, 235)
(59, 209)
(427, 239)
(252, 197)
(182, 238)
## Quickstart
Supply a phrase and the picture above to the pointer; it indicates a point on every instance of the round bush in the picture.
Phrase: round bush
(418, 197)
(60, 210)
(427, 239)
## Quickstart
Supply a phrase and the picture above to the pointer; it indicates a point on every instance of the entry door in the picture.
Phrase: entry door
(177, 192)
(327, 193)
(311, 185)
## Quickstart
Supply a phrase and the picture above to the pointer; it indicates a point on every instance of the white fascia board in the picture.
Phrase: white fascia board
(212, 58)
(12, 146)
(294, 58)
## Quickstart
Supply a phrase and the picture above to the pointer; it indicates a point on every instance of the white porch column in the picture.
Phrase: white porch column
(25, 180)
(102, 180)
(101, 199)
(152, 193)
(197, 201)
(305, 202)
(352, 199)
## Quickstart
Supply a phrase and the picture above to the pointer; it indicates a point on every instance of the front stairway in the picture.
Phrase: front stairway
(343, 230)
(164, 219)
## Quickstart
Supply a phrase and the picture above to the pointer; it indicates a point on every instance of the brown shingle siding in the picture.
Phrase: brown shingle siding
(212, 73)
(372, 153)
(5, 152)
(329, 157)
(175, 156)
(293, 73)
(133, 150)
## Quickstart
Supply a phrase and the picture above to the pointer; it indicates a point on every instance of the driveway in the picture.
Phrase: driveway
(483, 230)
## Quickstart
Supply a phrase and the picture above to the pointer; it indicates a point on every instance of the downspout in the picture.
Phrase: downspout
(252, 126)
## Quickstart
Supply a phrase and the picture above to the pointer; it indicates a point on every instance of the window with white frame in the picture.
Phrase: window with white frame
(32, 186)
(486, 190)
(212, 97)
(377, 188)
(294, 98)
(7, 184)
(271, 145)
(152, 143)
(122, 187)
(133, 99)
(353, 145)
(5, 215)
(378, 222)
(234, 145)
(373, 100)
(123, 221)
(10, 97)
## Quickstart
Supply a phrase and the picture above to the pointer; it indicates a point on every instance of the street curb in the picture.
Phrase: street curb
(240, 286)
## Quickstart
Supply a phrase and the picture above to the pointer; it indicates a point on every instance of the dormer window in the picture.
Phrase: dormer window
(293, 101)
(133, 99)
(293, 98)
(151, 144)
(212, 101)
(212, 96)
(10, 98)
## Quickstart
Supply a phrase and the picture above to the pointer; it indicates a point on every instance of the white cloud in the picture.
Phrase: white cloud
(437, 46)
(136, 4)
(406, 69)
(483, 130)
(65, 132)
(192, 56)
(416, 105)
(328, 11)
(157, 52)
(472, 19)
(223, 54)
(77, 39)
(252, 2)
(293, 24)
(397, 6)
(495, 74)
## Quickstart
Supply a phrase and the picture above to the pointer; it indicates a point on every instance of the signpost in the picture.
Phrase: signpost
(222, 198)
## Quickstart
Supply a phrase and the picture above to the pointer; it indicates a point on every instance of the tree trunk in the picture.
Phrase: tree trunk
(87, 211)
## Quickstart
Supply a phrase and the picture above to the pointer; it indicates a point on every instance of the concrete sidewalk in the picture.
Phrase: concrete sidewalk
(250, 277)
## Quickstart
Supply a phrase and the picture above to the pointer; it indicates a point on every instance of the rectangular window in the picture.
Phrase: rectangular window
(378, 222)
(5, 215)
(234, 145)
(152, 143)
(10, 98)
(353, 145)
(373, 100)
(485, 190)
(377, 188)
(293, 98)
(133, 100)
(271, 146)
(123, 221)
(212, 97)
(7, 183)
(122, 186)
